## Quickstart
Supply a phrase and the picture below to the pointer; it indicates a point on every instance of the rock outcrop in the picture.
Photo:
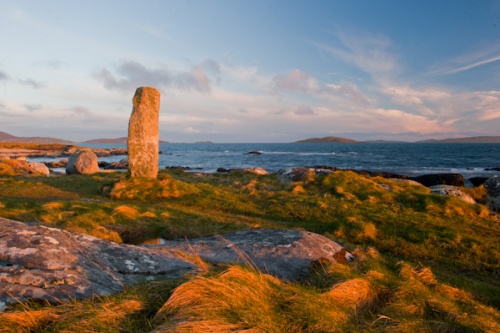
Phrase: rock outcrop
(453, 191)
(39, 167)
(453, 179)
(286, 254)
(258, 171)
(478, 181)
(492, 187)
(39, 263)
(82, 162)
(143, 133)
(120, 165)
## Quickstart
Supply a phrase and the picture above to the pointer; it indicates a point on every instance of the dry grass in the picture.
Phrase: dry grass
(243, 300)
(16, 168)
(101, 316)
(125, 211)
(147, 188)
(356, 293)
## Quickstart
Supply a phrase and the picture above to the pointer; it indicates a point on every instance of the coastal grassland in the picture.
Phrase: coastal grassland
(34, 145)
(425, 262)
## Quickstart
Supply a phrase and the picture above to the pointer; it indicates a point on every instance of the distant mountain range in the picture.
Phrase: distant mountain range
(327, 139)
(474, 139)
(6, 137)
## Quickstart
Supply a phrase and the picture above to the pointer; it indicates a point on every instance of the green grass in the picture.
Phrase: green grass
(454, 243)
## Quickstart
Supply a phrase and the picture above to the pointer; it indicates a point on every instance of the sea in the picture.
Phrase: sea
(410, 159)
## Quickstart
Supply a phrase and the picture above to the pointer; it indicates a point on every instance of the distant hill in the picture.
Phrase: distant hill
(383, 141)
(117, 140)
(473, 139)
(6, 137)
(122, 140)
(327, 139)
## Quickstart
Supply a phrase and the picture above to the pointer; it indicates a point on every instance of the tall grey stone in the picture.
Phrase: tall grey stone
(143, 137)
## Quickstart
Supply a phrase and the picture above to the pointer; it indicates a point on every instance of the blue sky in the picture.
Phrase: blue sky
(252, 71)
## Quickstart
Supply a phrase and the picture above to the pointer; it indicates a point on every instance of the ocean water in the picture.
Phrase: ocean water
(409, 159)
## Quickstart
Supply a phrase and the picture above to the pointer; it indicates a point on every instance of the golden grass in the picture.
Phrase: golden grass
(243, 300)
(147, 188)
(355, 293)
(53, 206)
(125, 211)
(100, 316)
(421, 303)
(16, 168)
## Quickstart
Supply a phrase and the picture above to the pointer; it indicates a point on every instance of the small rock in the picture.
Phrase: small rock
(40, 168)
(478, 181)
(295, 174)
(429, 180)
(454, 191)
(258, 171)
(82, 162)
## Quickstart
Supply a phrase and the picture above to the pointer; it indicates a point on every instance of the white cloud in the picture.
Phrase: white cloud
(32, 83)
(295, 81)
(33, 107)
(350, 91)
(488, 104)
(131, 74)
(393, 120)
(305, 110)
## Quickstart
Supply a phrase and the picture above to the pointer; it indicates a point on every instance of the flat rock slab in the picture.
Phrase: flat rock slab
(286, 254)
(40, 263)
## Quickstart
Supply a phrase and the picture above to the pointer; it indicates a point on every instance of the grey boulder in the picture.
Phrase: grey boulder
(287, 254)
(82, 162)
(40, 263)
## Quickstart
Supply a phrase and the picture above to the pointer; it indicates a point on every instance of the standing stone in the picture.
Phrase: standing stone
(143, 137)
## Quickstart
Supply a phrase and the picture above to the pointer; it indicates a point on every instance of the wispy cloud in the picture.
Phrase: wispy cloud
(295, 80)
(305, 110)
(32, 83)
(51, 64)
(131, 74)
(350, 91)
(468, 61)
(4, 76)
(371, 53)
(33, 107)
(474, 65)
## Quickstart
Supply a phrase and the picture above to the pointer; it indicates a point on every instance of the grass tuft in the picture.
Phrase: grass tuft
(148, 188)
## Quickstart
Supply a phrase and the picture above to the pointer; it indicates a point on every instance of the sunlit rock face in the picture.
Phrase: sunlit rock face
(82, 162)
(143, 133)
